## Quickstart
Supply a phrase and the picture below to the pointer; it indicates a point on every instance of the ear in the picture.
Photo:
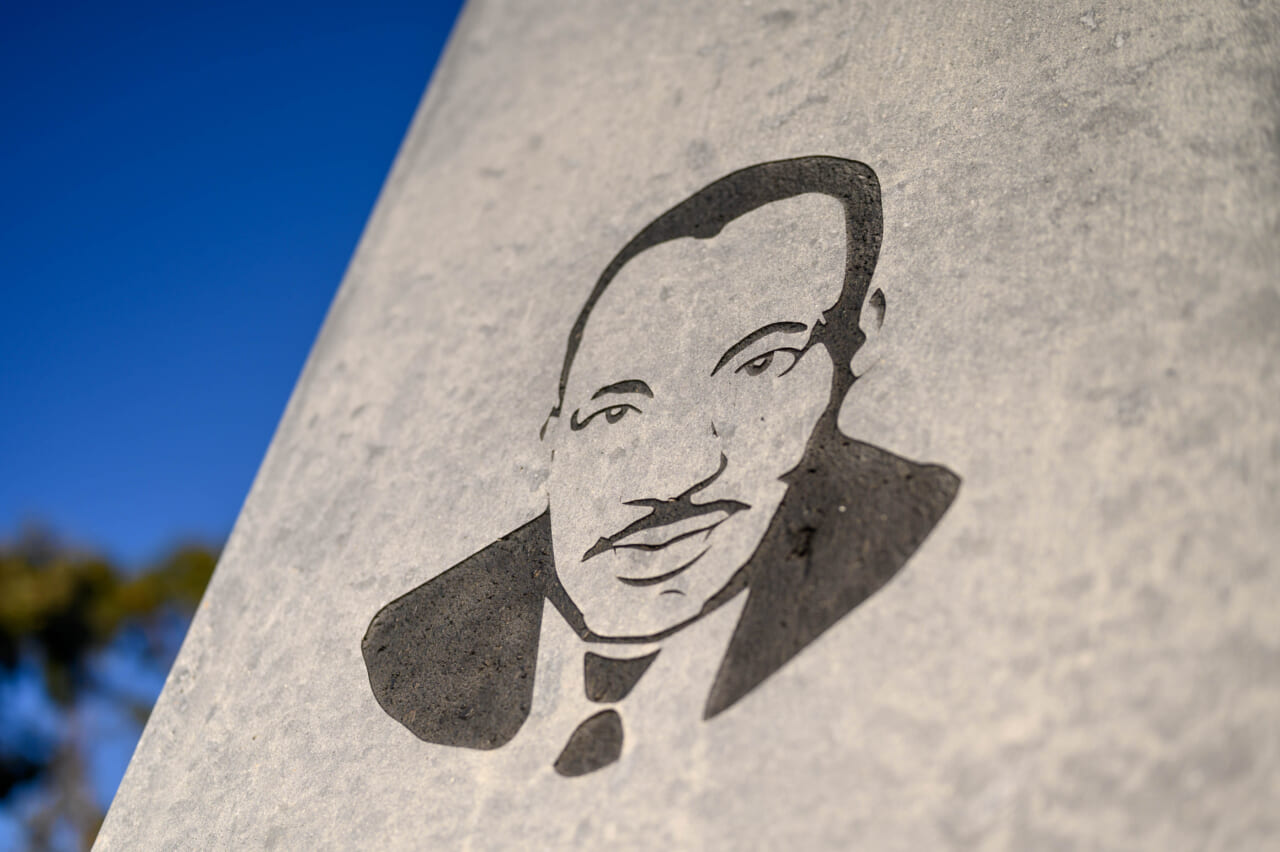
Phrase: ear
(547, 434)
(870, 323)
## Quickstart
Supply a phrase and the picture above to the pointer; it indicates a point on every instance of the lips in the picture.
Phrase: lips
(696, 529)
(656, 538)
(668, 522)
(662, 578)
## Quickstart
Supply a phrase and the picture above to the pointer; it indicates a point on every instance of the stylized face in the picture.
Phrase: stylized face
(693, 391)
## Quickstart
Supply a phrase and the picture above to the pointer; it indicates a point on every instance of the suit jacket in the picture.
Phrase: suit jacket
(454, 659)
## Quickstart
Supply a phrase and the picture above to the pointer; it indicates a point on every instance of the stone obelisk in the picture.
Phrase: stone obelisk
(825, 425)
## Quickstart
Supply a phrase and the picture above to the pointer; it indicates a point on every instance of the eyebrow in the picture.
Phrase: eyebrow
(790, 327)
(628, 386)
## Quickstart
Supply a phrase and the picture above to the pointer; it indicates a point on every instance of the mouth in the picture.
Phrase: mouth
(662, 578)
(665, 535)
(667, 523)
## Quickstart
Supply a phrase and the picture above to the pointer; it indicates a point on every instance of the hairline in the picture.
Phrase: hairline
(705, 214)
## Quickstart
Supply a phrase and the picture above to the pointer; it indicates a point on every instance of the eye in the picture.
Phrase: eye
(778, 362)
(612, 414)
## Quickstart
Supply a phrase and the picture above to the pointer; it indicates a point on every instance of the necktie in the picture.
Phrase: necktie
(597, 741)
(594, 744)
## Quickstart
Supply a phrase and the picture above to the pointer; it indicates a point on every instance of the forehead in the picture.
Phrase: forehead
(691, 298)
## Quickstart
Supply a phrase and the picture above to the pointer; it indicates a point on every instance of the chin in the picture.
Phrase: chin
(647, 619)
(653, 615)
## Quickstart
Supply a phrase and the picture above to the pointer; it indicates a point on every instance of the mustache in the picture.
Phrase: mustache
(664, 512)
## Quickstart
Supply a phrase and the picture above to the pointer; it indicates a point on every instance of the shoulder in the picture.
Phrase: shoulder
(453, 659)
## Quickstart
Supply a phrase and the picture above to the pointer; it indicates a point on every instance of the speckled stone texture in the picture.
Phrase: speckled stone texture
(1081, 246)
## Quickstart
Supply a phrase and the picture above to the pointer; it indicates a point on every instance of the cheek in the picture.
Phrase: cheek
(772, 427)
(585, 491)
(594, 461)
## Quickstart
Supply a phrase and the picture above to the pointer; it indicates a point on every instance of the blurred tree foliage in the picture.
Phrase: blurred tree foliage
(61, 610)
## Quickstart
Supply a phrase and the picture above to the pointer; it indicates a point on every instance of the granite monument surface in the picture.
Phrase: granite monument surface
(812, 425)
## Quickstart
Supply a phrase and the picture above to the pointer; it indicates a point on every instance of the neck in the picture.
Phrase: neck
(620, 649)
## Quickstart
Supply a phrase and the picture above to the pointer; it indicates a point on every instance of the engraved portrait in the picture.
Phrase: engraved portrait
(696, 468)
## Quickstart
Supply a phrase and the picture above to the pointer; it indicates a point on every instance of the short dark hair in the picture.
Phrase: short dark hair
(705, 213)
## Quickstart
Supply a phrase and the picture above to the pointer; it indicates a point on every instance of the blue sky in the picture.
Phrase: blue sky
(181, 187)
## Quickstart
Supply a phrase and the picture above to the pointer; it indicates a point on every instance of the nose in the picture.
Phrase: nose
(683, 461)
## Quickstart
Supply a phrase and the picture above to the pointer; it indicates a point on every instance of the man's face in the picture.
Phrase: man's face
(691, 394)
